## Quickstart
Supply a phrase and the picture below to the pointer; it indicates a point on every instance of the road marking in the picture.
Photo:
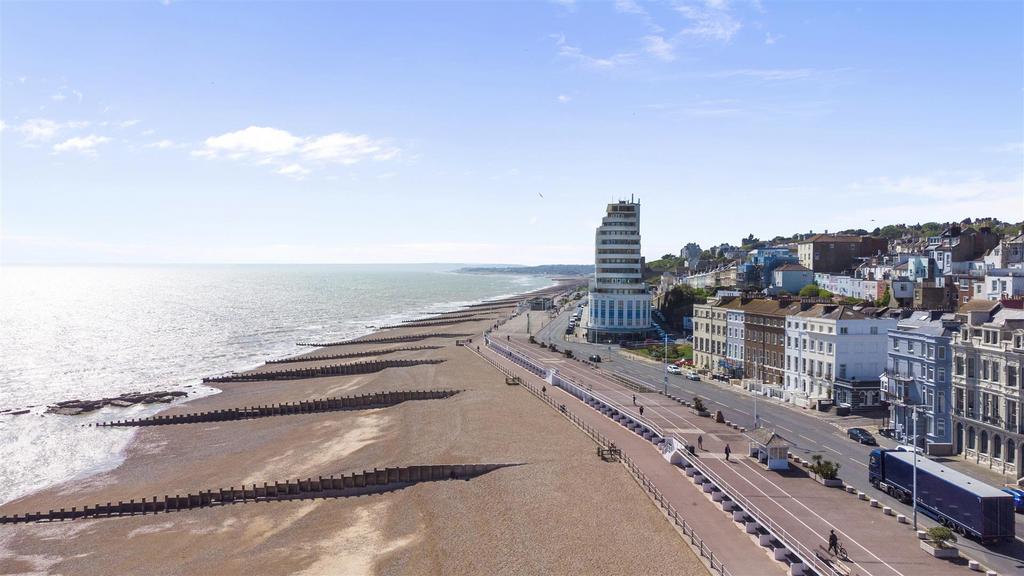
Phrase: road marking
(783, 428)
(859, 462)
(743, 412)
(832, 449)
(806, 438)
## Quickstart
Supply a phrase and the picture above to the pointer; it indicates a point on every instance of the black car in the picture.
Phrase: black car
(594, 358)
(861, 435)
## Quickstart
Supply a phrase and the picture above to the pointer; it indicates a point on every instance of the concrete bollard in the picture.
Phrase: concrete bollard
(796, 569)
(851, 489)
(991, 573)
(780, 553)
(709, 488)
(974, 565)
(739, 515)
(887, 511)
(752, 527)
(717, 495)
(902, 519)
(921, 534)
(862, 496)
(875, 503)
(764, 539)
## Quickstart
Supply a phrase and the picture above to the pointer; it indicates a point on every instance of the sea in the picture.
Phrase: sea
(89, 332)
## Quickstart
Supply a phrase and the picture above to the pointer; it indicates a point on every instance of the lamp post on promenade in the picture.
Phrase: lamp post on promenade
(665, 359)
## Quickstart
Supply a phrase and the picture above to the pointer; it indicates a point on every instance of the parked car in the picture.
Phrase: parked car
(594, 358)
(691, 375)
(1018, 498)
(673, 369)
(861, 435)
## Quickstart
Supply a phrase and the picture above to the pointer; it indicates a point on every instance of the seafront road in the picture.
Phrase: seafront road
(810, 433)
(877, 545)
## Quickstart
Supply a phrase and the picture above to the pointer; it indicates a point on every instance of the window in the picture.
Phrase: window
(843, 330)
(874, 329)
(942, 352)
(940, 375)
(970, 367)
(895, 344)
(842, 370)
(995, 371)
(829, 347)
(910, 347)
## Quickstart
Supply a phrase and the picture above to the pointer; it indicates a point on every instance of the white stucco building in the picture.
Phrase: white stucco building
(829, 343)
(619, 300)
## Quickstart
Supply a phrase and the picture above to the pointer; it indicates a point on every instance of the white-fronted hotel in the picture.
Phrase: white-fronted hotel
(619, 300)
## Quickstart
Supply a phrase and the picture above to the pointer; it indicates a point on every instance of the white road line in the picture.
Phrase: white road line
(859, 462)
(806, 438)
(783, 428)
(832, 449)
(742, 411)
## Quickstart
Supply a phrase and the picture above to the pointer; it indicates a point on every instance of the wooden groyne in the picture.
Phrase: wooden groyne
(343, 403)
(355, 484)
(432, 323)
(380, 352)
(321, 371)
(385, 339)
(446, 318)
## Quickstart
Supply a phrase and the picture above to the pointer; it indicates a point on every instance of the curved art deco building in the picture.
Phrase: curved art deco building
(620, 304)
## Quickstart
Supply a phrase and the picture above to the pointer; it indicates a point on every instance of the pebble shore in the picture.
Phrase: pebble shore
(564, 511)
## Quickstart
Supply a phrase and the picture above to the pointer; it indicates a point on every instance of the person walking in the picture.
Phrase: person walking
(641, 410)
(728, 451)
(634, 399)
(833, 542)
(700, 441)
(544, 390)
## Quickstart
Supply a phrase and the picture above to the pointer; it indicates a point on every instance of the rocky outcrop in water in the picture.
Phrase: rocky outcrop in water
(75, 407)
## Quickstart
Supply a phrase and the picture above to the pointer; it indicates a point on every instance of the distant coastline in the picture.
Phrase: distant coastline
(543, 270)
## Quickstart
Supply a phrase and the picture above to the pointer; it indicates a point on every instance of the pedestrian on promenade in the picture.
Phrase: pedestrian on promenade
(509, 337)
(727, 452)
(634, 399)
(641, 410)
(833, 542)
(700, 441)
(544, 390)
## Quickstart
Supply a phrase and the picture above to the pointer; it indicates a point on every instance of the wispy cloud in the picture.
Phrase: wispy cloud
(81, 144)
(767, 74)
(710, 19)
(658, 47)
(564, 98)
(64, 92)
(629, 7)
(293, 170)
(770, 39)
(163, 144)
(274, 146)
(576, 54)
(940, 196)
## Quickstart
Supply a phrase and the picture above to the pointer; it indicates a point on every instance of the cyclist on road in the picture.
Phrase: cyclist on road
(833, 542)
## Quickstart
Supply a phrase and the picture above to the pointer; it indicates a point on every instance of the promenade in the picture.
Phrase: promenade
(801, 508)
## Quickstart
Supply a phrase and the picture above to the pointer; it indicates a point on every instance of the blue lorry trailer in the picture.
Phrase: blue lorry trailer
(964, 504)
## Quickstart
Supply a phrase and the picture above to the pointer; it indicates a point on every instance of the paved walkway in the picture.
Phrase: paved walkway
(796, 505)
(740, 553)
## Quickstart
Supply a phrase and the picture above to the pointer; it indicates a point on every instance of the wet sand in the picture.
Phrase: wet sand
(563, 511)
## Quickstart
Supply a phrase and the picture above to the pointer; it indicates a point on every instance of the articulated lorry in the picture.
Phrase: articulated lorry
(956, 500)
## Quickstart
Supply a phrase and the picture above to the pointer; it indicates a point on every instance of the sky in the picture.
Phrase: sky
(494, 132)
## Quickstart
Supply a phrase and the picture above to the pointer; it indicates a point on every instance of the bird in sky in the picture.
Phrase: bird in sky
(539, 194)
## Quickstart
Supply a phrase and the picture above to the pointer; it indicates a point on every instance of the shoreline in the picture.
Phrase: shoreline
(197, 390)
(512, 520)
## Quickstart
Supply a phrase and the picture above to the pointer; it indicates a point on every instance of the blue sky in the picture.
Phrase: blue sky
(494, 132)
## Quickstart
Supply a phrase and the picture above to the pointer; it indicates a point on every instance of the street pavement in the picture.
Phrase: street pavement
(808, 432)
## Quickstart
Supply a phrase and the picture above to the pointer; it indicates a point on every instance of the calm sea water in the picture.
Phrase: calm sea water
(92, 332)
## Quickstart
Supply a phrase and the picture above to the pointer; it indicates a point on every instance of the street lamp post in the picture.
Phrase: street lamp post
(665, 361)
(914, 447)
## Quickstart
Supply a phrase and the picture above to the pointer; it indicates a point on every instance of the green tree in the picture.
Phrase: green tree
(886, 297)
(811, 290)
